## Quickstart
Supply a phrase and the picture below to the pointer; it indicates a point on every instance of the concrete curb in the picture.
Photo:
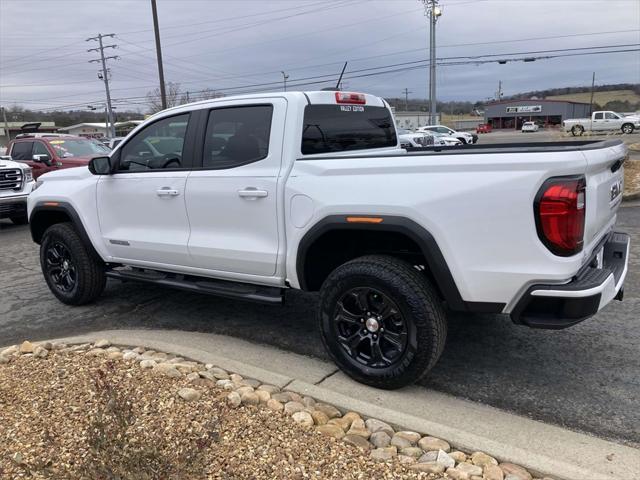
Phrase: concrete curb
(541, 448)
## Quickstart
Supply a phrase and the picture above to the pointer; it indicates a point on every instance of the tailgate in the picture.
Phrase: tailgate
(604, 175)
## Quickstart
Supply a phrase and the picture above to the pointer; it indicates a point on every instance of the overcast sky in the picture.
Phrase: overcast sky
(234, 45)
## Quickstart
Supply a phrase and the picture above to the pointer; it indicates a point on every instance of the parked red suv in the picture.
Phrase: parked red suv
(48, 152)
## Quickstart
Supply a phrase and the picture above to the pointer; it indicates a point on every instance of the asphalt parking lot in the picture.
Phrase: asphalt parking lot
(585, 378)
(551, 135)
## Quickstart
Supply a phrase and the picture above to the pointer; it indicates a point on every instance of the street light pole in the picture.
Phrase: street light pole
(284, 79)
(433, 11)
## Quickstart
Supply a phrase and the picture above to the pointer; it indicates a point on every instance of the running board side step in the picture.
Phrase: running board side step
(192, 283)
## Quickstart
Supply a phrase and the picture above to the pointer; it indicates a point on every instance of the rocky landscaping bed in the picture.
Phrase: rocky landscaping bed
(104, 412)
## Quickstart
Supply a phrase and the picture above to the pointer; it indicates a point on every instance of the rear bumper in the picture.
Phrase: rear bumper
(593, 287)
(14, 206)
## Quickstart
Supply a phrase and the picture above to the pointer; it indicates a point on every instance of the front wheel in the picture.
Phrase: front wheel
(381, 321)
(72, 272)
(627, 128)
(577, 130)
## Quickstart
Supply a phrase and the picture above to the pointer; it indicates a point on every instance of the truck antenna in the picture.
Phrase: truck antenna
(341, 74)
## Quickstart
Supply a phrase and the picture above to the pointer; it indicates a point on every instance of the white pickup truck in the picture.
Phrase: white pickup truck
(602, 121)
(16, 182)
(249, 197)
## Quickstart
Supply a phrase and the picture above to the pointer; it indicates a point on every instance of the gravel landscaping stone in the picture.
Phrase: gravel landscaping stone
(433, 443)
(189, 394)
(493, 472)
(431, 456)
(293, 437)
(27, 347)
(102, 343)
(293, 407)
(412, 437)
(469, 468)
(356, 441)
(275, 405)
(380, 439)
(303, 418)
(400, 442)
(378, 426)
(445, 460)
(331, 430)
(384, 454)
(482, 459)
(319, 418)
(250, 398)
(414, 452)
(329, 410)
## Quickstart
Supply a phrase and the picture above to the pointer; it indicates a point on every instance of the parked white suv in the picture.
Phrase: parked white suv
(464, 137)
(16, 182)
(251, 196)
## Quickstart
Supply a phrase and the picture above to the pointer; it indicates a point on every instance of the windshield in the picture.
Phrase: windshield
(339, 128)
(78, 148)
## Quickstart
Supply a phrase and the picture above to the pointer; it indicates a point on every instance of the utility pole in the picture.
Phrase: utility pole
(6, 124)
(284, 80)
(433, 11)
(499, 92)
(105, 75)
(406, 92)
(156, 29)
(593, 86)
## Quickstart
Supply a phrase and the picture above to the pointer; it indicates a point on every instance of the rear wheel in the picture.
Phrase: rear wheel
(72, 272)
(627, 128)
(577, 130)
(20, 220)
(381, 321)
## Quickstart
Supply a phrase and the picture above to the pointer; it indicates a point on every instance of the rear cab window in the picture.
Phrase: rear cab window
(339, 128)
(21, 151)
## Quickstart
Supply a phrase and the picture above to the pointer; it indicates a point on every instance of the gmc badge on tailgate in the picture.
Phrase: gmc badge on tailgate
(616, 189)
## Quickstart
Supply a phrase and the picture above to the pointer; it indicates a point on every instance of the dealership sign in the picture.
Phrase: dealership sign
(525, 109)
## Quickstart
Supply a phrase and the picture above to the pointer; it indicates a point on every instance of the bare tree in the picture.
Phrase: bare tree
(174, 97)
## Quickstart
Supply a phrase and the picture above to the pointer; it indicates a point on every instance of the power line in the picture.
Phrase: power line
(398, 67)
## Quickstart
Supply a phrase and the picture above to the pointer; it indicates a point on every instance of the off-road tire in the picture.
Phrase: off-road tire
(20, 220)
(420, 306)
(90, 270)
(627, 128)
(577, 130)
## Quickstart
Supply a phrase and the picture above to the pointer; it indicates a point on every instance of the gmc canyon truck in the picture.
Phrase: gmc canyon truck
(248, 197)
(16, 182)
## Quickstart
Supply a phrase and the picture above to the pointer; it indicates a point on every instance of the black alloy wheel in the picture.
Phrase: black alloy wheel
(60, 267)
(370, 328)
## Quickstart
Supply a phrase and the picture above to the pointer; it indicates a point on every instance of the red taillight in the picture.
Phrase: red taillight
(560, 210)
(352, 98)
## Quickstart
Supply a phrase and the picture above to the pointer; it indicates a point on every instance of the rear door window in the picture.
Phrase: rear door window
(21, 151)
(340, 128)
(237, 136)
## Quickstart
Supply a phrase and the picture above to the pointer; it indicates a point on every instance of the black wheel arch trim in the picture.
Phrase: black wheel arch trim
(43, 208)
(427, 243)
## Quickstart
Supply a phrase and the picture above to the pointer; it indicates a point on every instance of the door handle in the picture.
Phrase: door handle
(252, 192)
(167, 192)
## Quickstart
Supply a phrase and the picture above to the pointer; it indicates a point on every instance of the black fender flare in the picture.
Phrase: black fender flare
(423, 238)
(45, 208)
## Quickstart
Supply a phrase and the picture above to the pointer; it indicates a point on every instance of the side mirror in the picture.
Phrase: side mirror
(100, 166)
(42, 158)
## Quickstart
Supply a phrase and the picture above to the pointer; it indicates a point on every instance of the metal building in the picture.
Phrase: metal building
(513, 113)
